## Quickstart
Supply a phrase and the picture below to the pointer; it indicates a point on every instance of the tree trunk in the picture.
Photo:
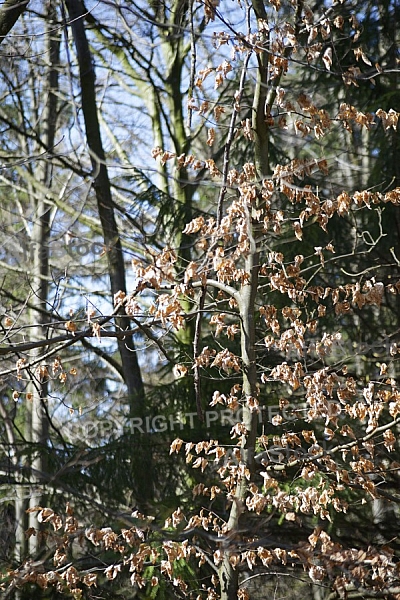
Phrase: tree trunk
(112, 241)
(37, 421)
(228, 576)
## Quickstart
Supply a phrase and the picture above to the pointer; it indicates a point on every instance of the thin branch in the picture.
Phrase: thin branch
(231, 136)
(197, 380)
(192, 63)
(104, 355)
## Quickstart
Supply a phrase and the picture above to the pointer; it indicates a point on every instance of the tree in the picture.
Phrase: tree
(271, 283)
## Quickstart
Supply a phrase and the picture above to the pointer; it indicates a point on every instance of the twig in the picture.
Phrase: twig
(197, 382)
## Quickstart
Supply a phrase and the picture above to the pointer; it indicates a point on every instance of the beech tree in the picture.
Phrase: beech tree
(285, 280)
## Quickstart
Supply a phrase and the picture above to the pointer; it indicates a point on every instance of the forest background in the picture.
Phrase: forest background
(199, 291)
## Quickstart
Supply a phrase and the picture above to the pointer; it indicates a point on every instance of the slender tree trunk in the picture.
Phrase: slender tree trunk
(37, 422)
(141, 462)
(174, 56)
(228, 576)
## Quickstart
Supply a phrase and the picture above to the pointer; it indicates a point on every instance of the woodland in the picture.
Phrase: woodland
(199, 299)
